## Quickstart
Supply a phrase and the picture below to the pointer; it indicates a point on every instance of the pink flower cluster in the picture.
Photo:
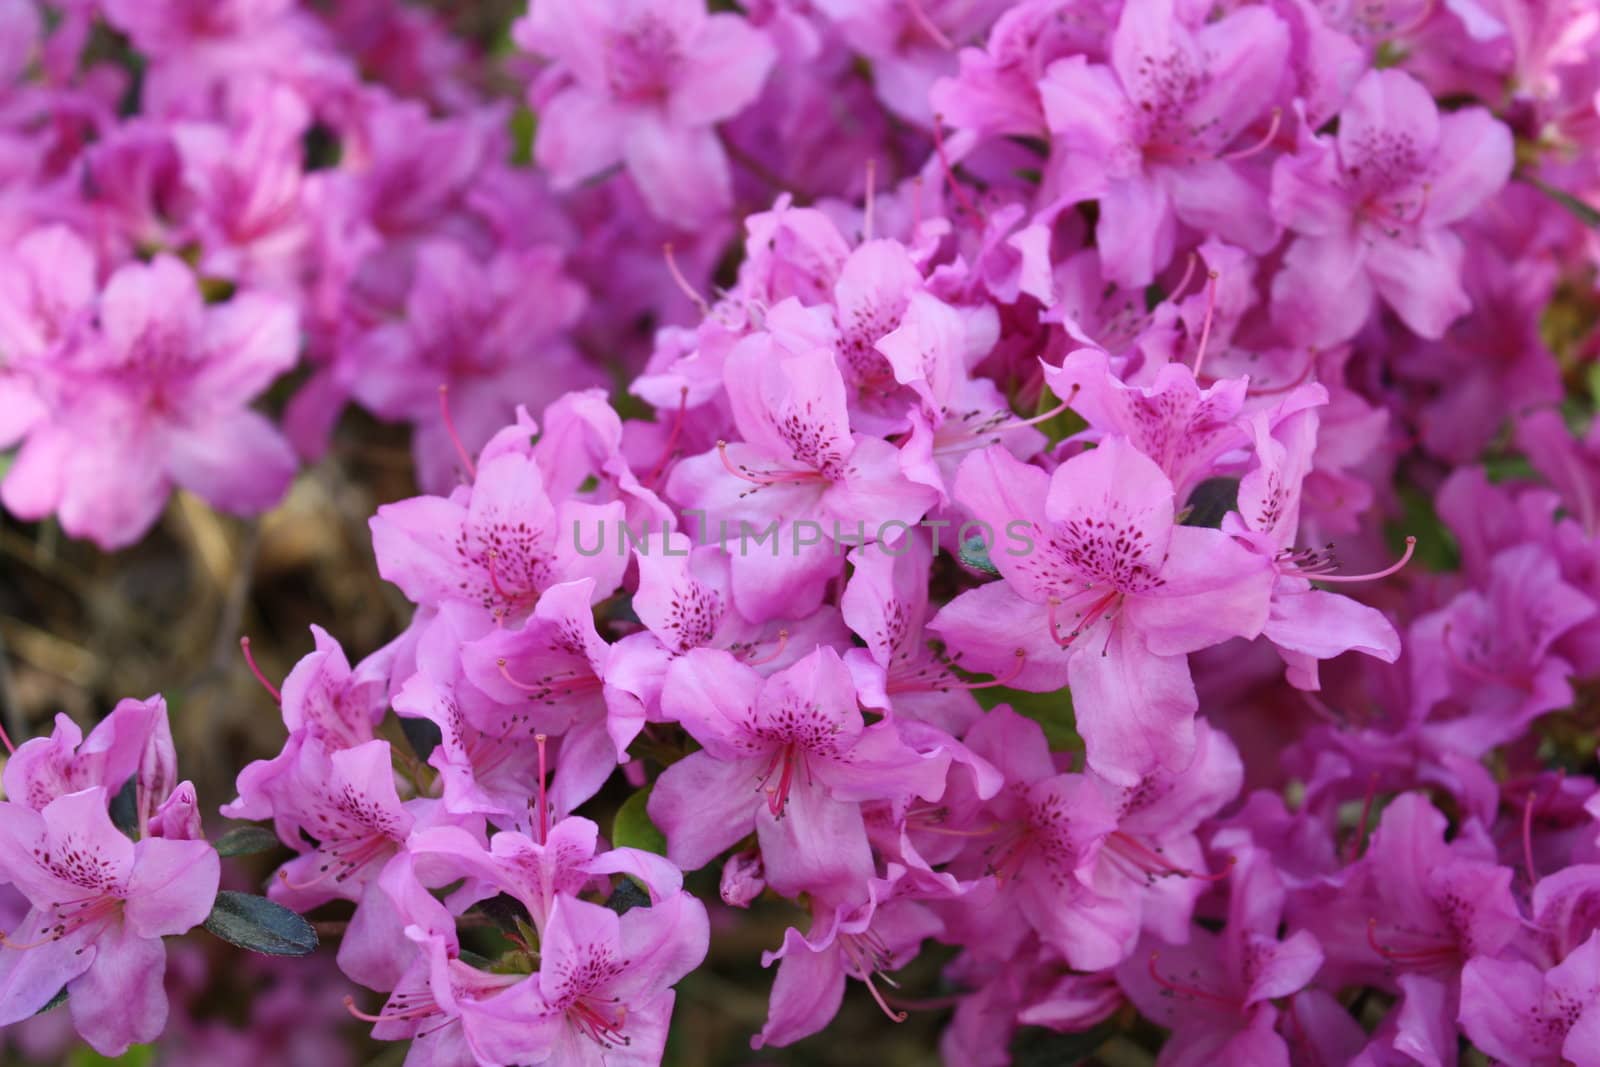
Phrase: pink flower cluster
(1102, 493)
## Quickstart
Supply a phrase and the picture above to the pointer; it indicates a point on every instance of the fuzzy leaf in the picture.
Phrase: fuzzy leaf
(246, 841)
(260, 925)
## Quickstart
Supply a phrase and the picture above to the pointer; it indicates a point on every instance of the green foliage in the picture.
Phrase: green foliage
(1052, 711)
(632, 827)
(246, 841)
(260, 925)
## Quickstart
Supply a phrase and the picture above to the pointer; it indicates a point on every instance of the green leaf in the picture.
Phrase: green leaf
(1037, 1047)
(1058, 427)
(1583, 212)
(423, 735)
(975, 554)
(627, 896)
(260, 925)
(1052, 711)
(55, 1002)
(137, 1056)
(246, 841)
(632, 827)
(125, 809)
(1210, 501)
(524, 129)
(1436, 545)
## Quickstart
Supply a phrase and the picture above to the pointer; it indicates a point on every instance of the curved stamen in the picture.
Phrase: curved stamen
(455, 438)
(981, 438)
(1411, 547)
(1193, 992)
(866, 209)
(1420, 955)
(1261, 145)
(1011, 675)
(682, 283)
(1183, 282)
(1152, 863)
(250, 660)
(1366, 813)
(927, 25)
(670, 448)
(956, 188)
(764, 478)
(564, 685)
(1205, 326)
(420, 1012)
(1417, 23)
(783, 641)
(1527, 839)
(1300, 379)
(543, 798)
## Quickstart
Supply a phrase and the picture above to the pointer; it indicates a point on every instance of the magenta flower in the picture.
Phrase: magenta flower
(157, 398)
(1217, 991)
(1104, 591)
(788, 757)
(495, 549)
(865, 942)
(649, 82)
(1155, 137)
(1527, 1018)
(1374, 208)
(1305, 624)
(100, 905)
(603, 994)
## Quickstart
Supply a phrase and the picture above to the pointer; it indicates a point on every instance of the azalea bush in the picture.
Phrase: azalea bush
(800, 532)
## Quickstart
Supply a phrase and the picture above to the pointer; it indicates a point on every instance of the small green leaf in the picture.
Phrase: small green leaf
(1037, 1047)
(1437, 549)
(1583, 212)
(1057, 428)
(632, 827)
(524, 130)
(422, 734)
(125, 809)
(975, 554)
(1052, 711)
(137, 1056)
(55, 1002)
(260, 925)
(627, 896)
(246, 841)
(1210, 501)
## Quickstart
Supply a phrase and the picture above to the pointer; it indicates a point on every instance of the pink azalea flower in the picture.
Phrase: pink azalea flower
(324, 702)
(1305, 624)
(439, 1003)
(100, 906)
(1101, 589)
(1483, 667)
(495, 549)
(788, 757)
(559, 860)
(1217, 991)
(886, 603)
(603, 994)
(155, 399)
(1527, 1018)
(1155, 136)
(649, 82)
(44, 768)
(1374, 207)
(863, 942)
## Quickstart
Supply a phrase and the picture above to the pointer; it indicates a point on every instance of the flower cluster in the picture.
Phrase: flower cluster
(1101, 495)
